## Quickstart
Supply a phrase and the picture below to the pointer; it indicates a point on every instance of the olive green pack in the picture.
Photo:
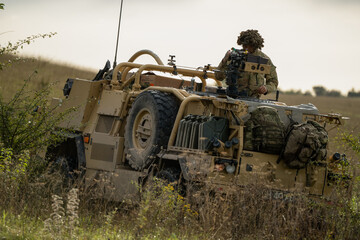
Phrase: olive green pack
(305, 142)
(264, 131)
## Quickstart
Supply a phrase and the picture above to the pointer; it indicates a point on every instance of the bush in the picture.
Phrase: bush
(319, 91)
(333, 93)
(28, 119)
(292, 92)
(322, 91)
(13, 48)
(353, 93)
(308, 93)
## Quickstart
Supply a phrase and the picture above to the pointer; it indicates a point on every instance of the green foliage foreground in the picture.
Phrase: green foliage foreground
(28, 119)
(38, 205)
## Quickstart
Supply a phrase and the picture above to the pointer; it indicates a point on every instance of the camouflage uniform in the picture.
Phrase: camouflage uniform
(250, 82)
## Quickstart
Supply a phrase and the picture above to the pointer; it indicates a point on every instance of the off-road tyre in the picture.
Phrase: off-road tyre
(148, 127)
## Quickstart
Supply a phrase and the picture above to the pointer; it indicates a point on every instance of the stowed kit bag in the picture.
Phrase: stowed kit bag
(305, 142)
(264, 131)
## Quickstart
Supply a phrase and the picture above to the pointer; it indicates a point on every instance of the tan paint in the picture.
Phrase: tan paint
(257, 68)
(104, 106)
(180, 116)
(106, 146)
(146, 52)
(132, 59)
(108, 98)
(83, 97)
(114, 80)
(181, 95)
(170, 69)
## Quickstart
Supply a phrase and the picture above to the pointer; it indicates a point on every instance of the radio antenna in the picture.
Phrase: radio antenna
(118, 34)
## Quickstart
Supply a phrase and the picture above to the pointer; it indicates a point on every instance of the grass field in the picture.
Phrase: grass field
(12, 77)
(29, 210)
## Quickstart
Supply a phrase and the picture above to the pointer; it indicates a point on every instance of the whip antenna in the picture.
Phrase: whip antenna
(118, 34)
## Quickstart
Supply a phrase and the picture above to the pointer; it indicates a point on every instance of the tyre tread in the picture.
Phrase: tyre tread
(166, 107)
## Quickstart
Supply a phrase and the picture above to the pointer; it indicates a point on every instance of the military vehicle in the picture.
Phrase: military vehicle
(132, 122)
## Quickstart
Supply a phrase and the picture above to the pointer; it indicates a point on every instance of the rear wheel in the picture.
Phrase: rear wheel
(148, 127)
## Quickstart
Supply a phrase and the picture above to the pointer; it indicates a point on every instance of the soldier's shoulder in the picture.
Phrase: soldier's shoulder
(261, 53)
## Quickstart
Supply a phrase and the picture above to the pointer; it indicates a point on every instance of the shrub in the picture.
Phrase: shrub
(333, 93)
(13, 48)
(27, 120)
(319, 91)
(13, 167)
(308, 93)
(353, 93)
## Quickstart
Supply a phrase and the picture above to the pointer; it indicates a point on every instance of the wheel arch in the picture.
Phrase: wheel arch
(72, 146)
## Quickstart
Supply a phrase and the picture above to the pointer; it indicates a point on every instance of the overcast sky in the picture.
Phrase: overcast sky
(312, 42)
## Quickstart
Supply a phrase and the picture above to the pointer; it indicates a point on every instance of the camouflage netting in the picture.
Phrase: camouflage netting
(251, 37)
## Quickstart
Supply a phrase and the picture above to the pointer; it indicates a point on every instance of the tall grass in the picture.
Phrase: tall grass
(12, 78)
(53, 212)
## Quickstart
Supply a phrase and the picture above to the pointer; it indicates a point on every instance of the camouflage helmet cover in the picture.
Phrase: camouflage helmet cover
(251, 37)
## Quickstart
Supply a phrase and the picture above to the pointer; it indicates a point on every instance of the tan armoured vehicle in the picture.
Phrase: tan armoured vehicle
(132, 122)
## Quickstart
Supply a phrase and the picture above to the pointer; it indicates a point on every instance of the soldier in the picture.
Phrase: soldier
(254, 84)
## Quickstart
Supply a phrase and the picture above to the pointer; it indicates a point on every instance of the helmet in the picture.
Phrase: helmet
(251, 37)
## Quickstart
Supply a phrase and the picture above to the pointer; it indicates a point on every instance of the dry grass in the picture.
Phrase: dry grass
(40, 194)
(163, 214)
(252, 214)
(12, 77)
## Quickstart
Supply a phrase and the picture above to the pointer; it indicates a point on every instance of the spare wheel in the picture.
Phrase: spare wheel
(149, 126)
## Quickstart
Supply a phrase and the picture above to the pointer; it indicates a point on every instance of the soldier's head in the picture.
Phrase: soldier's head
(250, 40)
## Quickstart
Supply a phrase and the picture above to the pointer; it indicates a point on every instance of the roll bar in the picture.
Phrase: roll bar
(125, 67)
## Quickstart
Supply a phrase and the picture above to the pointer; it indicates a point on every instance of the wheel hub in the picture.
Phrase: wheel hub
(142, 129)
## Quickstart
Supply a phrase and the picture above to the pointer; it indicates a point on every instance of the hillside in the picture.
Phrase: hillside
(12, 77)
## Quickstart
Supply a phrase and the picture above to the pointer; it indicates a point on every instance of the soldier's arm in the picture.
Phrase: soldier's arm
(220, 73)
(271, 79)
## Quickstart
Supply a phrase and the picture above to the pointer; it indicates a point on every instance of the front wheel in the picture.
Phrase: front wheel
(148, 127)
